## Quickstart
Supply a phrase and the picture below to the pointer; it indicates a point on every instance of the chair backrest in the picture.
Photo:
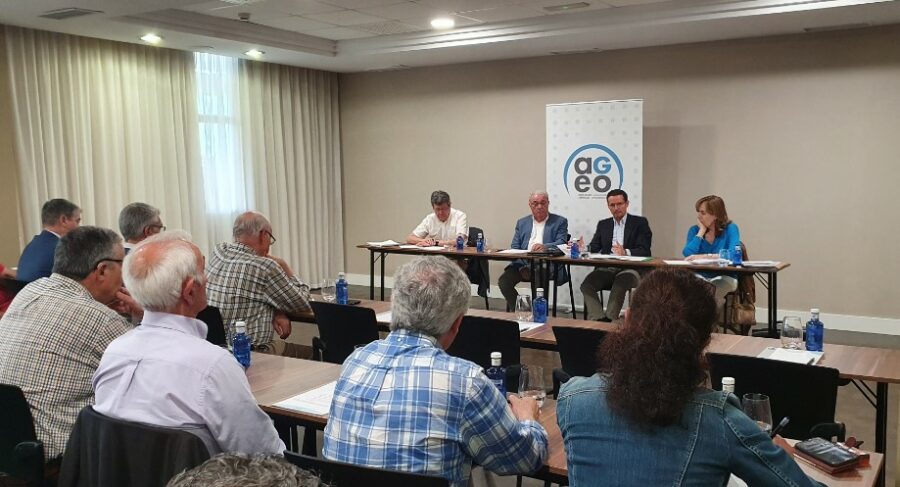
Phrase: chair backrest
(107, 452)
(746, 282)
(343, 327)
(578, 349)
(17, 430)
(215, 325)
(479, 336)
(473, 235)
(805, 393)
(346, 474)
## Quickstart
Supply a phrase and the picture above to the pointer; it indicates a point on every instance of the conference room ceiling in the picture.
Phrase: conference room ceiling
(365, 35)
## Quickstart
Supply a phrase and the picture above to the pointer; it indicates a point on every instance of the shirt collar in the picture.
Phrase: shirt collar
(412, 337)
(179, 323)
(54, 233)
(623, 220)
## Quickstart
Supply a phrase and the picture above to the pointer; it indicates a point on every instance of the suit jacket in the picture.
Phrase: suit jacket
(37, 258)
(637, 236)
(556, 232)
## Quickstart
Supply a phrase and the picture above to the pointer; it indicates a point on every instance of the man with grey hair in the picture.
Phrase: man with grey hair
(442, 226)
(402, 403)
(248, 284)
(138, 221)
(54, 332)
(227, 470)
(58, 216)
(165, 373)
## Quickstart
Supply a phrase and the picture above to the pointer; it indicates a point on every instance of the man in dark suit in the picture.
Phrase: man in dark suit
(537, 232)
(59, 217)
(623, 234)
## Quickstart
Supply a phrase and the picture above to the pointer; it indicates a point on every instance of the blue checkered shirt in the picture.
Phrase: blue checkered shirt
(402, 403)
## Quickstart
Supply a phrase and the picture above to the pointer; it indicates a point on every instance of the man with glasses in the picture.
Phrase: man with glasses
(56, 329)
(138, 221)
(537, 232)
(248, 284)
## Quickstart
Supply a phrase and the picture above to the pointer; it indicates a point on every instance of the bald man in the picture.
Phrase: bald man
(249, 284)
(164, 372)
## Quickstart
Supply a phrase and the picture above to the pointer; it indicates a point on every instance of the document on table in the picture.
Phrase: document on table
(628, 258)
(527, 325)
(787, 355)
(513, 251)
(314, 401)
(383, 317)
(677, 262)
(386, 243)
(760, 263)
(433, 247)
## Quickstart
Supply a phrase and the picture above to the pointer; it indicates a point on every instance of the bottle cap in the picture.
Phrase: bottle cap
(727, 381)
(540, 290)
(341, 274)
(496, 355)
(240, 327)
(814, 311)
(480, 234)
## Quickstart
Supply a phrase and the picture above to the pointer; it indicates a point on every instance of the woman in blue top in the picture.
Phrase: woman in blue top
(713, 232)
(647, 418)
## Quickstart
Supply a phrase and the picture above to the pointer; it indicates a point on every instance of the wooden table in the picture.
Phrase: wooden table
(274, 379)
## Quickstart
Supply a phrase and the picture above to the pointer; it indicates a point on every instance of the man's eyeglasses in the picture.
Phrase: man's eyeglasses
(162, 228)
(272, 238)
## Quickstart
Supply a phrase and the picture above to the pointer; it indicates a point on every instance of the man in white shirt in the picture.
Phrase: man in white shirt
(164, 372)
(441, 227)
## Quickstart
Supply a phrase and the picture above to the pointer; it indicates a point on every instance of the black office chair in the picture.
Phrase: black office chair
(341, 329)
(478, 337)
(478, 269)
(346, 474)
(107, 452)
(805, 393)
(577, 353)
(215, 326)
(21, 454)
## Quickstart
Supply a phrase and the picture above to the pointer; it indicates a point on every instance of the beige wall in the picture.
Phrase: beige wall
(9, 195)
(799, 134)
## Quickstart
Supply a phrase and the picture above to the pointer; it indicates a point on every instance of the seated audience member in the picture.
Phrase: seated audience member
(59, 217)
(647, 418)
(536, 232)
(713, 232)
(6, 295)
(54, 332)
(442, 226)
(621, 234)
(164, 372)
(138, 221)
(247, 284)
(230, 470)
(402, 403)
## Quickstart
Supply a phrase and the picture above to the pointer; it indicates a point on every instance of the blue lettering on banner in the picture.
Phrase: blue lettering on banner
(594, 167)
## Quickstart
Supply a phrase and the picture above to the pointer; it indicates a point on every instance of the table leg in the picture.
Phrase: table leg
(773, 304)
(383, 256)
(881, 417)
(555, 287)
(372, 274)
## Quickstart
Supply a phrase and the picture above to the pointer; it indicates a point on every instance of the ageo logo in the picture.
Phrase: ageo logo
(592, 170)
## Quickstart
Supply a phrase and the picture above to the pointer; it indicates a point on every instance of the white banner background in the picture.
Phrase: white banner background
(586, 145)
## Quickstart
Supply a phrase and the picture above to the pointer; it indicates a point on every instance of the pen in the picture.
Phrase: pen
(784, 422)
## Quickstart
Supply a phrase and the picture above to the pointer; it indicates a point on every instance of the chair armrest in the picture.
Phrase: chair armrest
(318, 346)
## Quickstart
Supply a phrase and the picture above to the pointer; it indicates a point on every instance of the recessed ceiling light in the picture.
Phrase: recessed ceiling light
(151, 38)
(255, 53)
(443, 23)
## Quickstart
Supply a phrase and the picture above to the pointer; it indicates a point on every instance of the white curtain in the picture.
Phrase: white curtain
(105, 124)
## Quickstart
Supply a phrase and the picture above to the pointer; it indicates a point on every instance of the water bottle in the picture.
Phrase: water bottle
(728, 384)
(240, 344)
(460, 242)
(815, 332)
(575, 251)
(496, 373)
(479, 244)
(539, 307)
(340, 288)
(737, 257)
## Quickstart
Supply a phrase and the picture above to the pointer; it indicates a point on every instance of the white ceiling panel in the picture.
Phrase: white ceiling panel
(345, 18)
(296, 23)
(359, 4)
(405, 10)
(502, 14)
(340, 33)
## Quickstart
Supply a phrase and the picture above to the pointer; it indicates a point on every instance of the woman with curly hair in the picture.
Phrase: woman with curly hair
(646, 417)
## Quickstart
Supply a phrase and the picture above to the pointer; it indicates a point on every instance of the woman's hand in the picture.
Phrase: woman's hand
(701, 228)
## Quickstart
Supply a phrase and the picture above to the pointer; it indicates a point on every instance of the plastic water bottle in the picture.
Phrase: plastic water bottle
(241, 344)
(479, 244)
(539, 307)
(728, 384)
(460, 242)
(496, 373)
(575, 252)
(737, 257)
(340, 288)
(815, 332)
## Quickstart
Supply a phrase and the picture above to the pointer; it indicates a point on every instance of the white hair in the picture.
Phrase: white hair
(429, 294)
(249, 223)
(155, 280)
(539, 192)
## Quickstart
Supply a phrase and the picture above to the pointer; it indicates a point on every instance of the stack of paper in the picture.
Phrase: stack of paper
(315, 401)
(629, 258)
(760, 263)
(386, 243)
(787, 355)
(527, 325)
(513, 251)
(677, 262)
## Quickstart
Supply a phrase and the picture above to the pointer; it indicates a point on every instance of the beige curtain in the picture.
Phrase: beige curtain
(104, 124)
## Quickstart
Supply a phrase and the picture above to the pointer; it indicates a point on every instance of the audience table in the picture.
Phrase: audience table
(274, 379)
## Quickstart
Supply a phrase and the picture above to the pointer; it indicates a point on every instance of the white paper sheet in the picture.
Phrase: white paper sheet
(527, 325)
(629, 258)
(760, 263)
(705, 261)
(512, 251)
(788, 355)
(314, 401)
(677, 262)
(409, 246)
(386, 243)
(383, 317)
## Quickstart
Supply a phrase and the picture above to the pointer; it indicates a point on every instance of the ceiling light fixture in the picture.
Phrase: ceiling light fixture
(443, 23)
(255, 53)
(151, 38)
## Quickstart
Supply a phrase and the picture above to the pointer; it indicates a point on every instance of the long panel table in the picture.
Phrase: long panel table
(274, 379)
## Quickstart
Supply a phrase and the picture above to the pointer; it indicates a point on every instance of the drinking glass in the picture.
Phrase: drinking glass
(792, 333)
(329, 292)
(531, 383)
(523, 307)
(724, 257)
(757, 407)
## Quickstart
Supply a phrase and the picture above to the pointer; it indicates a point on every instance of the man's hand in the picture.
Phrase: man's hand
(284, 266)
(538, 247)
(282, 325)
(126, 305)
(523, 408)
(426, 242)
(618, 249)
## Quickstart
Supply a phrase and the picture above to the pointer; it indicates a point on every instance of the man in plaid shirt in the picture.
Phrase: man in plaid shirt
(248, 284)
(57, 327)
(403, 404)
